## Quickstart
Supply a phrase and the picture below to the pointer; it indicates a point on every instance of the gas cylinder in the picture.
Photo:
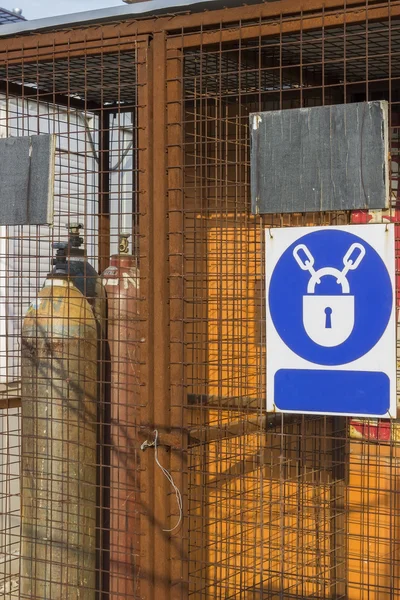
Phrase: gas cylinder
(59, 431)
(121, 281)
(89, 283)
(83, 275)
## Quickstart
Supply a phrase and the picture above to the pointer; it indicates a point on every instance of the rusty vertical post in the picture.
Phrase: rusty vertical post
(160, 321)
(154, 487)
(104, 189)
(145, 185)
(179, 563)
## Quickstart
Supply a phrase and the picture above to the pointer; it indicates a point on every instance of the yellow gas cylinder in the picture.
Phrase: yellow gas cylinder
(59, 414)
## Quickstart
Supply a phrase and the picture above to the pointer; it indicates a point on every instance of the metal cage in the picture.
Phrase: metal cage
(151, 117)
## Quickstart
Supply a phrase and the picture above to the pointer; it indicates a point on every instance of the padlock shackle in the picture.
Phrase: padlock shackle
(348, 262)
(307, 264)
(303, 264)
(338, 275)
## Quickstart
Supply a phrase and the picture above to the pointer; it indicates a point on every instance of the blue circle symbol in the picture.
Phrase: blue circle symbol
(367, 290)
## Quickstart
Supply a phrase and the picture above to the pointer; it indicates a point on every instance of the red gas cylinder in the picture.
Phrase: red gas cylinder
(121, 282)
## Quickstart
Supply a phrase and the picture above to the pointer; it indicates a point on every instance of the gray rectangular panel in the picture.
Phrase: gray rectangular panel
(27, 180)
(320, 158)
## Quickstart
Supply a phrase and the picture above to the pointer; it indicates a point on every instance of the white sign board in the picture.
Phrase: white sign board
(331, 333)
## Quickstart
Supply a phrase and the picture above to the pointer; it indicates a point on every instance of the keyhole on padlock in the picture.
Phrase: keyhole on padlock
(328, 318)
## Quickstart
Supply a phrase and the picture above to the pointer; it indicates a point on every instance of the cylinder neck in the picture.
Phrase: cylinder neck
(124, 243)
(122, 260)
(76, 254)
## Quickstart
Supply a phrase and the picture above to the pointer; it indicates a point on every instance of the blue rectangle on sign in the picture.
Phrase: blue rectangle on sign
(342, 392)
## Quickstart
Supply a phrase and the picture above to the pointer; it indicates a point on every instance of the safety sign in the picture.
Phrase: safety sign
(331, 334)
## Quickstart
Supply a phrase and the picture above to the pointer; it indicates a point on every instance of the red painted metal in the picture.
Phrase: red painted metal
(377, 430)
(371, 430)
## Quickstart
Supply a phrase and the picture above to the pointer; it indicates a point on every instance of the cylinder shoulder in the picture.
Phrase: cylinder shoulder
(62, 309)
(124, 274)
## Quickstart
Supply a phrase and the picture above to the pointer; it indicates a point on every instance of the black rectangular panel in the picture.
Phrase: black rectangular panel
(27, 180)
(320, 159)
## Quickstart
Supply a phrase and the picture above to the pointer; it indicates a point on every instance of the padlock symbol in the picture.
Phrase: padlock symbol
(329, 320)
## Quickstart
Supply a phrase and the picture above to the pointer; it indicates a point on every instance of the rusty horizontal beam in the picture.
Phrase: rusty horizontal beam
(117, 36)
(224, 403)
(290, 25)
(252, 12)
(170, 439)
(251, 424)
(10, 395)
(55, 51)
(39, 95)
(11, 402)
(246, 425)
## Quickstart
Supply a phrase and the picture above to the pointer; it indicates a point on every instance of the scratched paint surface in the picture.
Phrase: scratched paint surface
(337, 157)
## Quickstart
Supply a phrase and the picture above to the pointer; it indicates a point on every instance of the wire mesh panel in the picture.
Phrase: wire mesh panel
(143, 463)
(278, 506)
(75, 460)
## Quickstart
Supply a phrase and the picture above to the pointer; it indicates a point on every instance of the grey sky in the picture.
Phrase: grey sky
(37, 9)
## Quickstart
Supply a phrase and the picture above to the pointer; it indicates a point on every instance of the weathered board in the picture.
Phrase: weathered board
(320, 158)
(27, 180)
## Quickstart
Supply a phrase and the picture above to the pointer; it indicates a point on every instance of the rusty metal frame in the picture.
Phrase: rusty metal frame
(145, 159)
(159, 43)
(174, 141)
(160, 320)
(48, 48)
(291, 24)
(161, 554)
(111, 37)
(163, 557)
